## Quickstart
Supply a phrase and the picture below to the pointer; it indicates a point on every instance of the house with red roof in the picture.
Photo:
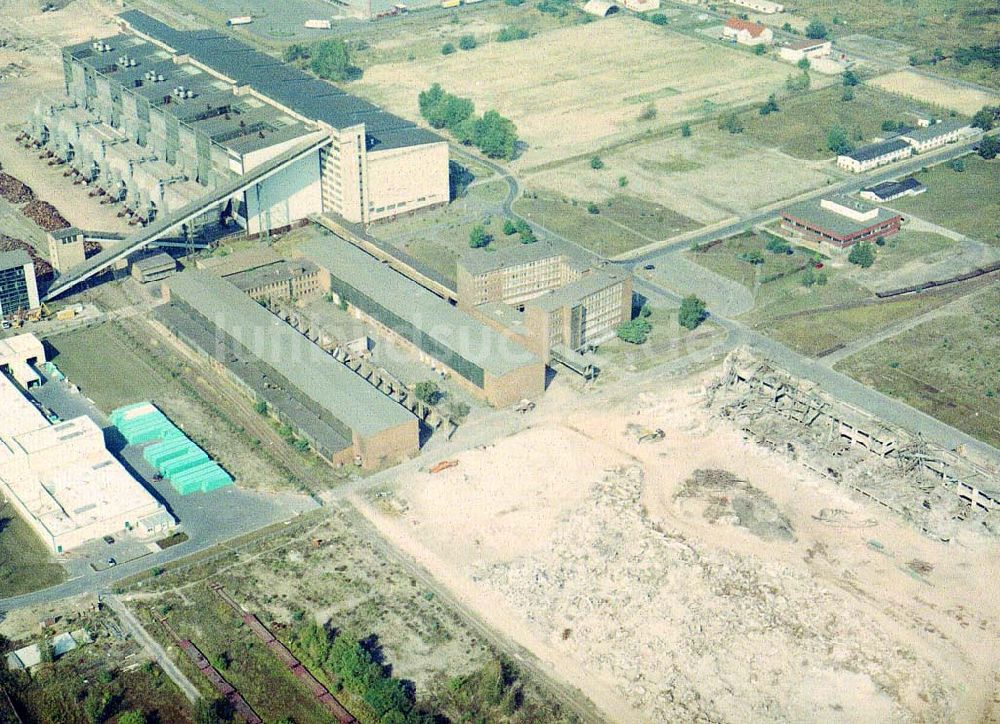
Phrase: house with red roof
(745, 32)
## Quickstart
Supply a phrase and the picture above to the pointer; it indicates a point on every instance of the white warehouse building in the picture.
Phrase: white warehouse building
(60, 477)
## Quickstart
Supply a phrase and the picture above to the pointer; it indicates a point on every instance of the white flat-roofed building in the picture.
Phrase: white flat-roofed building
(761, 6)
(794, 52)
(63, 481)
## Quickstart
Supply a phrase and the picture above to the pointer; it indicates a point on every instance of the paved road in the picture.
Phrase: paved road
(140, 634)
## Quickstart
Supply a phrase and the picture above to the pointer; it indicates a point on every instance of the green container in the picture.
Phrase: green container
(185, 462)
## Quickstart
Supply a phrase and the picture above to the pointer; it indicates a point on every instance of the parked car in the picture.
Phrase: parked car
(112, 563)
(109, 539)
(649, 267)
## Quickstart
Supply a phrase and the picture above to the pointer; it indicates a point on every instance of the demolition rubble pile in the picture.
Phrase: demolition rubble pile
(677, 624)
(937, 490)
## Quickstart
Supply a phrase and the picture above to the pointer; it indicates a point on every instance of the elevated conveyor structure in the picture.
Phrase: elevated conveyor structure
(164, 225)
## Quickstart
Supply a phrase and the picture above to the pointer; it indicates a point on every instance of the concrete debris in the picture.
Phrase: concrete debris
(731, 500)
(937, 490)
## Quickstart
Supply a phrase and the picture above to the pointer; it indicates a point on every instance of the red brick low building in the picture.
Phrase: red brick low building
(840, 221)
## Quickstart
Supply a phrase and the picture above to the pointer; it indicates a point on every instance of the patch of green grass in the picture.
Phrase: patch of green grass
(948, 367)
(668, 340)
(965, 202)
(25, 563)
(824, 331)
(620, 225)
(800, 127)
(724, 259)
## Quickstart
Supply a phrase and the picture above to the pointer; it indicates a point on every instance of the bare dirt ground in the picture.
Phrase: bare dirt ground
(31, 41)
(572, 89)
(702, 577)
(935, 90)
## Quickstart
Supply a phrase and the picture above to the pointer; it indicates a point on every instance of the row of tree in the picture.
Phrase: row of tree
(491, 133)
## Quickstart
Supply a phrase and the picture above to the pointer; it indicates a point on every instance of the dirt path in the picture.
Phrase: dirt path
(130, 622)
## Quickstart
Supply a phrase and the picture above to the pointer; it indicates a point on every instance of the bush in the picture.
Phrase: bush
(804, 63)
(512, 32)
(770, 106)
(957, 164)
(989, 147)
(816, 30)
(509, 227)
(862, 254)
(635, 331)
(799, 82)
(295, 51)
(984, 118)
(260, 407)
(622, 181)
(692, 312)
(427, 392)
(759, 49)
(850, 78)
(837, 141)
(332, 61)
(847, 95)
(731, 123)
(447, 49)
(513, 3)
(658, 19)
(596, 163)
(478, 238)
(778, 246)
(808, 277)
(593, 208)
(686, 129)
(754, 257)
(648, 112)
(467, 42)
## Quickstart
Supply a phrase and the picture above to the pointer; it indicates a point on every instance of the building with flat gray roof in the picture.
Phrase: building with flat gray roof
(492, 365)
(840, 220)
(380, 431)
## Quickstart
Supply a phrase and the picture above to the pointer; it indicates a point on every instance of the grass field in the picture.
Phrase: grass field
(25, 563)
(668, 340)
(724, 260)
(922, 24)
(936, 91)
(965, 202)
(946, 367)
(800, 127)
(572, 89)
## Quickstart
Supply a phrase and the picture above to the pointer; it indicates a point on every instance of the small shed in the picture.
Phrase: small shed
(600, 8)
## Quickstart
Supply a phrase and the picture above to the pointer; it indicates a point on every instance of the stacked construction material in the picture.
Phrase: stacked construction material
(173, 455)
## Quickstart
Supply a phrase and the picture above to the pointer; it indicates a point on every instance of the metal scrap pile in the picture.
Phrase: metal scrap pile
(45, 215)
(43, 270)
(15, 191)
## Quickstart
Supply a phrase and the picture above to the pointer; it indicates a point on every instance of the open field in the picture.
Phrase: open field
(799, 128)
(25, 562)
(329, 570)
(965, 202)
(111, 669)
(923, 24)
(707, 177)
(591, 550)
(946, 366)
(572, 89)
(668, 341)
(935, 91)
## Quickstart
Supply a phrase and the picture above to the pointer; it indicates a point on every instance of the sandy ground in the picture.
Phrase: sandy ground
(33, 40)
(708, 177)
(585, 547)
(571, 89)
(935, 90)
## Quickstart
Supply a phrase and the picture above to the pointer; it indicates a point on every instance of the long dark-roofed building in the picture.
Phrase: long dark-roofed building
(339, 413)
(491, 365)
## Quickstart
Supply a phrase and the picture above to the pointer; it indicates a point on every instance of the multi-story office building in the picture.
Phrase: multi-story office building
(18, 287)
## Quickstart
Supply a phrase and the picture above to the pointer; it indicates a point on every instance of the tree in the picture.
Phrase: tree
(465, 132)
(427, 392)
(645, 311)
(731, 123)
(447, 49)
(838, 142)
(759, 49)
(212, 712)
(509, 227)
(135, 716)
(331, 60)
(787, 27)
(808, 277)
(957, 164)
(596, 163)
(496, 136)
(658, 19)
(692, 312)
(989, 147)
(593, 208)
(769, 107)
(95, 705)
(888, 125)
(850, 78)
(984, 118)
(847, 95)
(622, 181)
(467, 42)
(294, 52)
(804, 64)
(635, 331)
(799, 82)
(478, 237)
(754, 257)
(648, 112)
(862, 254)
(686, 129)
(777, 246)
(512, 32)
(816, 30)
(260, 407)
